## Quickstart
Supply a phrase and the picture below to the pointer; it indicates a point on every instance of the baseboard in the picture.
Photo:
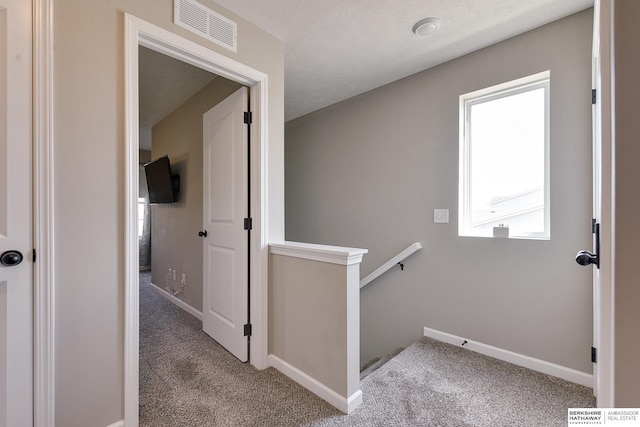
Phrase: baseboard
(177, 301)
(344, 404)
(538, 365)
(117, 424)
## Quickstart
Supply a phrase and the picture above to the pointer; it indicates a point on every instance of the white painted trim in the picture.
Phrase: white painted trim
(604, 278)
(496, 92)
(131, 261)
(323, 253)
(167, 43)
(344, 404)
(177, 301)
(354, 401)
(259, 271)
(139, 32)
(538, 365)
(416, 246)
(44, 268)
(117, 424)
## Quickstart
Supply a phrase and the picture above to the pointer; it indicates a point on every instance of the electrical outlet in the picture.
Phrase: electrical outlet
(441, 216)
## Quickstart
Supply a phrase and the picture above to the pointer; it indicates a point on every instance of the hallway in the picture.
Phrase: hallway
(188, 380)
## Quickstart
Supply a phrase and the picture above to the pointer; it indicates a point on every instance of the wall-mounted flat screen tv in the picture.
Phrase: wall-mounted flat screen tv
(162, 184)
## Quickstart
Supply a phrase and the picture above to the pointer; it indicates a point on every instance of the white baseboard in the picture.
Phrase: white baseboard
(538, 365)
(177, 301)
(344, 404)
(117, 424)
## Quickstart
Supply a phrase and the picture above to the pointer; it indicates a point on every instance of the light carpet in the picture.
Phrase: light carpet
(437, 384)
(188, 380)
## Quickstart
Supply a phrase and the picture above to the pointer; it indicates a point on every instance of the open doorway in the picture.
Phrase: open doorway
(191, 132)
(142, 34)
(173, 98)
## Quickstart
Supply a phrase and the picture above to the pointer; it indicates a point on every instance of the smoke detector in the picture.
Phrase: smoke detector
(426, 26)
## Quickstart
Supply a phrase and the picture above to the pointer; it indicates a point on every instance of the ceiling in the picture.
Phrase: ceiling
(336, 49)
(165, 84)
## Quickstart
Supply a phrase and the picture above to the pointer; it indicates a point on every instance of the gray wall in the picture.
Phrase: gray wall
(308, 323)
(144, 156)
(89, 166)
(369, 171)
(627, 202)
(174, 228)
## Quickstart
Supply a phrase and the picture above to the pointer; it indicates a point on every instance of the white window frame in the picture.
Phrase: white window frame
(514, 87)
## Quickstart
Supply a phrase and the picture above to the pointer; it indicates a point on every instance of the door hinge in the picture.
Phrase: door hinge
(594, 96)
(595, 229)
(247, 329)
(34, 256)
(248, 223)
(594, 355)
(248, 117)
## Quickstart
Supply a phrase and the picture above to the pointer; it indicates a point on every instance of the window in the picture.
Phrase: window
(504, 160)
(141, 206)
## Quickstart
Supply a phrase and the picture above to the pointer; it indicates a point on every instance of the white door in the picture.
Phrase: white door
(16, 351)
(225, 207)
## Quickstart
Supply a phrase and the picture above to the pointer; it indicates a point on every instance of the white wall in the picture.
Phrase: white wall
(89, 160)
(369, 171)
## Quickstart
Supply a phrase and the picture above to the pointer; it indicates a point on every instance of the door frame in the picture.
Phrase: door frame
(43, 216)
(141, 33)
(604, 277)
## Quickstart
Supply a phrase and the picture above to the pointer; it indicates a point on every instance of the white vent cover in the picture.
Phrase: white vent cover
(205, 22)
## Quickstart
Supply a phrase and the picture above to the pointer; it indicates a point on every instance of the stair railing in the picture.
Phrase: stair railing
(398, 259)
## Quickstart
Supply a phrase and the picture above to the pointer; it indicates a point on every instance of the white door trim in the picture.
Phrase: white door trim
(604, 310)
(43, 205)
(139, 32)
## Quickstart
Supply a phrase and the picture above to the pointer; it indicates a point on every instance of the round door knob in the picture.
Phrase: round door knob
(202, 233)
(586, 258)
(10, 258)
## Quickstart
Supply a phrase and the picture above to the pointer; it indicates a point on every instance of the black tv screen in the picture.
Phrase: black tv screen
(163, 186)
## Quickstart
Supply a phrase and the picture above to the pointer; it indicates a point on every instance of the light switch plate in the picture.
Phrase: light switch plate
(441, 216)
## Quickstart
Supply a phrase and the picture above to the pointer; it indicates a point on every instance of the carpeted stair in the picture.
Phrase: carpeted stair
(374, 364)
(432, 383)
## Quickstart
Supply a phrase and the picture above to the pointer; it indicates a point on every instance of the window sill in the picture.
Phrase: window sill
(507, 238)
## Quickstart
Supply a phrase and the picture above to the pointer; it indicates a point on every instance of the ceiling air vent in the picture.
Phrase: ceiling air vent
(205, 22)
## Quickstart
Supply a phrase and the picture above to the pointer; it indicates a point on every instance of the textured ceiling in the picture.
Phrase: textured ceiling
(165, 84)
(335, 49)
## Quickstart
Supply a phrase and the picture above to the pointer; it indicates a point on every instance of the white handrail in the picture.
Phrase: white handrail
(389, 264)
